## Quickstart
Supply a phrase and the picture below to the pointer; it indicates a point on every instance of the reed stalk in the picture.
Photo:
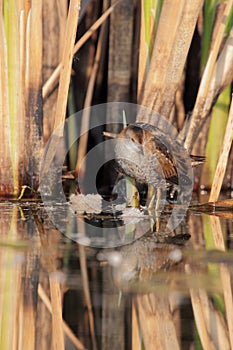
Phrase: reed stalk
(27, 308)
(68, 49)
(210, 8)
(152, 310)
(86, 288)
(5, 158)
(222, 77)
(143, 52)
(219, 243)
(205, 338)
(120, 54)
(168, 60)
(203, 92)
(136, 338)
(10, 286)
(215, 136)
(50, 83)
(83, 140)
(54, 22)
(66, 328)
(209, 319)
(71, 28)
(227, 293)
(72, 127)
(150, 13)
(56, 303)
(214, 320)
(211, 18)
(222, 162)
(55, 290)
(12, 40)
(20, 100)
(22, 72)
(34, 145)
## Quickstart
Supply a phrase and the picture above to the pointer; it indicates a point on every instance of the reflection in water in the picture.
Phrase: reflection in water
(162, 291)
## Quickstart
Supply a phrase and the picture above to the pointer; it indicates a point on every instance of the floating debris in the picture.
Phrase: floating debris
(132, 215)
(90, 203)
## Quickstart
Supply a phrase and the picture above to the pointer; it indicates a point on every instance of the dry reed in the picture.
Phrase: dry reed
(83, 140)
(86, 288)
(225, 276)
(136, 341)
(168, 60)
(55, 290)
(227, 293)
(210, 323)
(68, 49)
(11, 289)
(206, 340)
(143, 53)
(222, 162)
(152, 310)
(54, 22)
(71, 28)
(120, 54)
(50, 83)
(66, 328)
(206, 81)
(33, 94)
(4, 111)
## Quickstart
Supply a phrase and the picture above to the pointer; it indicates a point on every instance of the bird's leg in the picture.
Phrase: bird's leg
(151, 196)
(158, 196)
(157, 214)
(158, 199)
(151, 193)
(132, 193)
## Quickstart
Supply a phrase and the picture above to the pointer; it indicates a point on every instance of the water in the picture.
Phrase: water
(159, 291)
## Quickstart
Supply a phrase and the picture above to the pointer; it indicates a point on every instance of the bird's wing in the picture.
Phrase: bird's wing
(164, 157)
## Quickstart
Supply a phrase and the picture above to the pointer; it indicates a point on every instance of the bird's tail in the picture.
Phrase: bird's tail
(197, 160)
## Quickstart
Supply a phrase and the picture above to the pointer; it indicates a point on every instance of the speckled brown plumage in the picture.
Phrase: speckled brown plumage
(149, 155)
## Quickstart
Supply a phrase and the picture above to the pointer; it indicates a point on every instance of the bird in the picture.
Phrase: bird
(152, 156)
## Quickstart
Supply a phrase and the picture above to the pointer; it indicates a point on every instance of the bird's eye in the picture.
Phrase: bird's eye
(132, 140)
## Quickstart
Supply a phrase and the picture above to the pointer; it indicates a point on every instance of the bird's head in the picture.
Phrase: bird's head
(132, 134)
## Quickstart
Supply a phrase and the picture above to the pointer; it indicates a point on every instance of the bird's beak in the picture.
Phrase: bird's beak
(110, 134)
